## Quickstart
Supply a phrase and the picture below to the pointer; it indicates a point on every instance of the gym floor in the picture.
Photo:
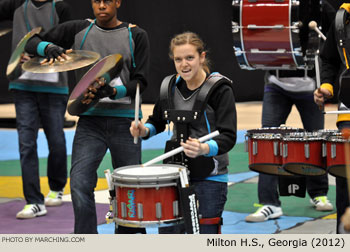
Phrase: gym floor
(299, 217)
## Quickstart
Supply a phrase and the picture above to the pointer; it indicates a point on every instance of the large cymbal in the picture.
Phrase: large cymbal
(112, 64)
(5, 31)
(76, 59)
(17, 53)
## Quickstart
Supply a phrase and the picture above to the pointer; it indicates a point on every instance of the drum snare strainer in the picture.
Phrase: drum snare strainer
(146, 195)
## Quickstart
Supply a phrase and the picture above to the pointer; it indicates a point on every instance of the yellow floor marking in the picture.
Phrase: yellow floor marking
(330, 217)
(11, 187)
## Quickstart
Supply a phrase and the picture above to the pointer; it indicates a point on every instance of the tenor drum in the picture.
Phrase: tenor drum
(264, 149)
(146, 195)
(336, 164)
(274, 34)
(304, 153)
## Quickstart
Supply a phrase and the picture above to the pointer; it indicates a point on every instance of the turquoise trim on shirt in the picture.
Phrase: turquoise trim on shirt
(107, 77)
(213, 148)
(121, 92)
(152, 129)
(41, 89)
(129, 113)
(41, 48)
(218, 178)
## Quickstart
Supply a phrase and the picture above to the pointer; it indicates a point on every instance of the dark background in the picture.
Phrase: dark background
(162, 19)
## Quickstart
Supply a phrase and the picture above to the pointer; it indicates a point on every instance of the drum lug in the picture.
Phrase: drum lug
(333, 151)
(307, 150)
(123, 209)
(275, 148)
(140, 211)
(255, 148)
(285, 150)
(324, 150)
(176, 208)
(158, 210)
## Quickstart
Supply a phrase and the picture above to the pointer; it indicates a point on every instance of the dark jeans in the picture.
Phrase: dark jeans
(93, 136)
(277, 105)
(342, 193)
(212, 197)
(48, 109)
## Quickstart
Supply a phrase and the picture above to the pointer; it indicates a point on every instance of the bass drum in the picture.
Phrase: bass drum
(274, 34)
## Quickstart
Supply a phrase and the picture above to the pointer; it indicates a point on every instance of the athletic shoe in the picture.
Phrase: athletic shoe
(31, 211)
(321, 203)
(264, 213)
(54, 198)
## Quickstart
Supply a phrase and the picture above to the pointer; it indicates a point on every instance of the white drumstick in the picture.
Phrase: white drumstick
(313, 26)
(179, 149)
(337, 112)
(137, 105)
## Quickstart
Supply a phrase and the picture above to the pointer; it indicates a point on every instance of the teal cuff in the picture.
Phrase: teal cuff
(152, 129)
(107, 77)
(218, 178)
(41, 48)
(213, 148)
(121, 92)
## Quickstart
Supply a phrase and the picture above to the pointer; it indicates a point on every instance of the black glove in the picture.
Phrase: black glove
(53, 51)
(105, 91)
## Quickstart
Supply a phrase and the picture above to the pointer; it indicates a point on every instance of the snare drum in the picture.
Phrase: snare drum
(336, 164)
(304, 153)
(273, 34)
(264, 149)
(146, 195)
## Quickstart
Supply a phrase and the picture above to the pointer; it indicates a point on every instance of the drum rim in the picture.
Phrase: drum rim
(144, 177)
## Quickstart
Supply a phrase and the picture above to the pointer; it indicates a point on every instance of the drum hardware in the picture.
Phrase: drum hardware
(76, 59)
(346, 135)
(19, 50)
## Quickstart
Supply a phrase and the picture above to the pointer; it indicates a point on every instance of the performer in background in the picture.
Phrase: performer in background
(283, 89)
(332, 65)
(39, 99)
(105, 125)
(179, 95)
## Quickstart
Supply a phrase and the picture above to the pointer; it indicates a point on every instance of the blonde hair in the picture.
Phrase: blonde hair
(192, 39)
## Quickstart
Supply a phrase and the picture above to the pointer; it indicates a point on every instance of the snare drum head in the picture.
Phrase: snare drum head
(140, 174)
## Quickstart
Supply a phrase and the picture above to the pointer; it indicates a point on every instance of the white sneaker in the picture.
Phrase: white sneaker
(265, 213)
(31, 211)
(54, 198)
(321, 203)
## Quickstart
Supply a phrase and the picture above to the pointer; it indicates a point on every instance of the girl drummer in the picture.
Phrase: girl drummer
(194, 88)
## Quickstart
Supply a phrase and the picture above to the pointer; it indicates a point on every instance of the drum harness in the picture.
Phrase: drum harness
(182, 119)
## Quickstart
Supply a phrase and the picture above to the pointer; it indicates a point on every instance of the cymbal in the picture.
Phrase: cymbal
(5, 31)
(17, 53)
(76, 59)
(112, 64)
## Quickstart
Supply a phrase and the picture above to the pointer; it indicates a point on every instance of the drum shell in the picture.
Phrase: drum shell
(143, 200)
(296, 160)
(336, 163)
(264, 154)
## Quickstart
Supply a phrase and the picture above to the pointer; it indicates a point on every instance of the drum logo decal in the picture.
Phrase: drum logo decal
(131, 204)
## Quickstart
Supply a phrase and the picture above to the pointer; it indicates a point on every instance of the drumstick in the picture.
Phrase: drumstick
(337, 112)
(346, 135)
(179, 149)
(137, 104)
(313, 26)
(108, 179)
(183, 177)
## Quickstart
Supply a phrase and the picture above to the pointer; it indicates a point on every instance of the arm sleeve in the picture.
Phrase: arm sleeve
(62, 35)
(331, 61)
(156, 119)
(139, 73)
(223, 102)
(8, 7)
